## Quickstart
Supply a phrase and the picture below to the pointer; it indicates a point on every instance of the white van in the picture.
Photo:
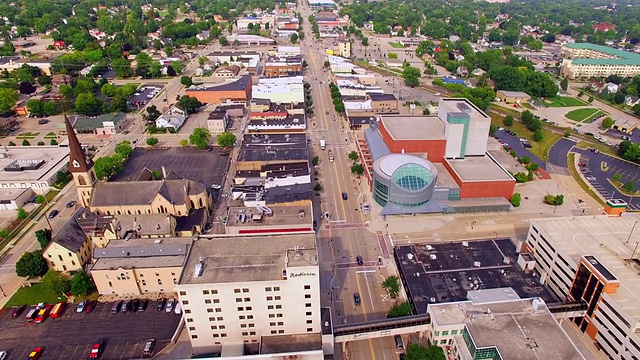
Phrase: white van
(178, 309)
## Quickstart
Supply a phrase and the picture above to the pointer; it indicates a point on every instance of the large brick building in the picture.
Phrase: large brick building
(238, 91)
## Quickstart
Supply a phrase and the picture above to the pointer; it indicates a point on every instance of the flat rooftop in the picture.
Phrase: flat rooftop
(281, 215)
(455, 105)
(142, 253)
(202, 166)
(478, 168)
(444, 272)
(32, 163)
(605, 239)
(515, 328)
(295, 343)
(239, 84)
(274, 147)
(252, 258)
(414, 127)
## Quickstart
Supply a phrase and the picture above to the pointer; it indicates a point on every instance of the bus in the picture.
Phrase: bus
(323, 145)
(57, 310)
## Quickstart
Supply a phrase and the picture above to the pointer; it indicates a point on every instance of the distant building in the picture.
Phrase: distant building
(60, 79)
(513, 97)
(585, 60)
(237, 92)
(230, 71)
(342, 47)
(280, 90)
(290, 66)
(217, 122)
(105, 124)
(33, 168)
(173, 118)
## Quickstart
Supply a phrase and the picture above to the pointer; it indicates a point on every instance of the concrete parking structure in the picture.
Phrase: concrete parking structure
(72, 335)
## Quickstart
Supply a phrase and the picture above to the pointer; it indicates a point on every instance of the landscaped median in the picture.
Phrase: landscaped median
(571, 162)
(582, 115)
(540, 149)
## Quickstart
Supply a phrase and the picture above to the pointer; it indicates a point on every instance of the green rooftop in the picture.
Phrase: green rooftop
(86, 123)
(624, 57)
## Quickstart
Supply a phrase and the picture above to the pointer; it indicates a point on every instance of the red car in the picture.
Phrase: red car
(36, 353)
(17, 311)
(42, 314)
(90, 306)
(96, 350)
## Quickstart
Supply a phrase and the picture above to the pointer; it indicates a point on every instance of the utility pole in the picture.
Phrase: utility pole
(631, 233)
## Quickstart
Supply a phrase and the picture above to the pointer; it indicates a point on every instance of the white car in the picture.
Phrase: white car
(3, 355)
(81, 306)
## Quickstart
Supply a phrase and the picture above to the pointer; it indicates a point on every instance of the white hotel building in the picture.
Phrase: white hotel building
(594, 260)
(244, 295)
(584, 60)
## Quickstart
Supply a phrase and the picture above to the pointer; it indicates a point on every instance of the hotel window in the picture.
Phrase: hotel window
(445, 333)
(240, 308)
(249, 308)
(245, 290)
(270, 307)
(209, 310)
(247, 299)
(189, 320)
(278, 298)
(278, 306)
(187, 311)
(279, 315)
(222, 327)
(218, 310)
(272, 324)
(194, 336)
(252, 333)
(273, 332)
(307, 305)
(309, 329)
(309, 321)
(212, 319)
(249, 317)
(280, 323)
(204, 292)
(236, 291)
(214, 292)
(214, 327)
(280, 331)
(192, 328)
(252, 325)
(216, 335)
(269, 298)
(307, 296)
(238, 299)
(243, 326)
(207, 301)
(308, 313)
(276, 288)
(223, 335)
(216, 301)
(185, 302)
(241, 317)
(267, 289)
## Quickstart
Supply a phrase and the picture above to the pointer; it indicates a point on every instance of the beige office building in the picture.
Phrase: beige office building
(139, 266)
(584, 60)
(239, 293)
(594, 260)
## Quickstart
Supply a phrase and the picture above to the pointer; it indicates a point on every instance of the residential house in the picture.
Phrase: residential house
(230, 71)
(173, 118)
(70, 247)
(631, 100)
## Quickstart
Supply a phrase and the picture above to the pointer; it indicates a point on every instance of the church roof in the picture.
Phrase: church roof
(128, 193)
(78, 159)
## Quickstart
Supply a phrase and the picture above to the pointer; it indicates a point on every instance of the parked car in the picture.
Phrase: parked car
(359, 260)
(71, 204)
(31, 314)
(116, 307)
(90, 306)
(36, 353)
(148, 347)
(17, 311)
(96, 350)
(143, 305)
(125, 306)
(42, 314)
(81, 306)
(53, 214)
(133, 306)
(169, 307)
(3, 355)
(160, 304)
(344, 196)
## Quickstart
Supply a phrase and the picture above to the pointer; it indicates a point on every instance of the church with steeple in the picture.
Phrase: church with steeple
(80, 166)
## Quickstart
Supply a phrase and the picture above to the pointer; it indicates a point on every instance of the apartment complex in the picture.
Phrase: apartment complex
(594, 260)
(584, 60)
(238, 292)
(497, 324)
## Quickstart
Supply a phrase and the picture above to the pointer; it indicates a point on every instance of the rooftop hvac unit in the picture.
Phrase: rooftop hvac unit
(429, 247)
(433, 256)
(409, 256)
(199, 268)
(477, 264)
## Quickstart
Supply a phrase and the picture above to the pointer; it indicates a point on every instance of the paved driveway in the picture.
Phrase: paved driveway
(559, 151)
(520, 150)
(72, 335)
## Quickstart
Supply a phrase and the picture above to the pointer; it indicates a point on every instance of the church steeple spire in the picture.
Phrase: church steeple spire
(78, 159)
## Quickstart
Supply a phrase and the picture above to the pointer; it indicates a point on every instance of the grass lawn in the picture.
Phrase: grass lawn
(540, 149)
(33, 295)
(27, 135)
(50, 135)
(581, 114)
(564, 101)
(396, 45)
(598, 145)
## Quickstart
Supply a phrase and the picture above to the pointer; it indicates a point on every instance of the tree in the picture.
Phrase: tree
(26, 87)
(81, 284)
(108, 90)
(186, 81)
(226, 139)
(629, 186)
(200, 137)
(294, 38)
(171, 71)
(617, 177)
(184, 142)
(365, 41)
(123, 149)
(515, 199)
(87, 104)
(315, 161)
(43, 236)
(22, 214)
(152, 141)
(25, 142)
(317, 187)
(108, 166)
(538, 136)
(636, 109)
(121, 67)
(357, 169)
(618, 98)
(56, 281)
(189, 104)
(607, 123)
(327, 64)
(564, 84)
(508, 120)
(392, 285)
(223, 41)
(402, 309)
(492, 128)
(411, 76)
(8, 98)
(419, 352)
(353, 156)
(31, 265)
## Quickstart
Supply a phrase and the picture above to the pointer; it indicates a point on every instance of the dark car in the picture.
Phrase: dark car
(125, 306)
(90, 306)
(356, 298)
(160, 304)
(359, 260)
(116, 307)
(133, 306)
(71, 204)
(53, 214)
(344, 196)
(143, 305)
(17, 311)
(148, 348)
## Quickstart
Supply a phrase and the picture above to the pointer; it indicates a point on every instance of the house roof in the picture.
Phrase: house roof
(127, 193)
(71, 236)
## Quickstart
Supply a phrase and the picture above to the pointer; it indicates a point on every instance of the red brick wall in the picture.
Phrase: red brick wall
(214, 97)
(434, 148)
(482, 189)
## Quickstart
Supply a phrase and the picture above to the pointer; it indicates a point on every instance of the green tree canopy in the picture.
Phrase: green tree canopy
(200, 137)
(152, 141)
(419, 352)
(31, 264)
(81, 284)
(87, 104)
(124, 149)
(226, 139)
(392, 285)
(43, 236)
(56, 281)
(402, 309)
(8, 98)
(108, 166)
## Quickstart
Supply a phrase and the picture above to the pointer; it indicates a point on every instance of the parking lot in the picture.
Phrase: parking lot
(518, 147)
(145, 94)
(72, 335)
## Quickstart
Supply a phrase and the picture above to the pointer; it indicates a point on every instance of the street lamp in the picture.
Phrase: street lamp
(631, 233)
